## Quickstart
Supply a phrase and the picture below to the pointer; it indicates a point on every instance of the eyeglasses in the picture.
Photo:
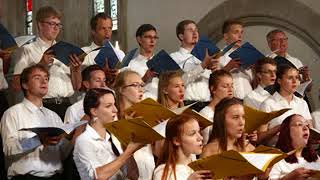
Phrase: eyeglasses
(269, 72)
(300, 124)
(280, 39)
(192, 30)
(136, 85)
(53, 24)
(151, 37)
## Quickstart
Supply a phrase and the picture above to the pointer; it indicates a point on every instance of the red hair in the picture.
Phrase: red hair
(169, 154)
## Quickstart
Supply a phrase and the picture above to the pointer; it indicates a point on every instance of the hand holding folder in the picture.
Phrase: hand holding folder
(62, 50)
(248, 55)
(199, 50)
(135, 130)
(162, 62)
(107, 53)
(233, 163)
(255, 118)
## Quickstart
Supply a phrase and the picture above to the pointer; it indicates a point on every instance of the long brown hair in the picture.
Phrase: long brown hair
(164, 81)
(119, 83)
(219, 126)
(285, 143)
(169, 154)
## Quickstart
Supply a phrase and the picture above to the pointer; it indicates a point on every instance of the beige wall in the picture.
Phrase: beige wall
(164, 15)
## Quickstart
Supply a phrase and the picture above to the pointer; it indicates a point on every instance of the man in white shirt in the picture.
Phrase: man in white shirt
(233, 31)
(146, 36)
(27, 155)
(101, 29)
(266, 70)
(196, 82)
(63, 78)
(92, 77)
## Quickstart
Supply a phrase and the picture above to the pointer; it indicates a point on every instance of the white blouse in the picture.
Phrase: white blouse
(182, 172)
(209, 114)
(283, 168)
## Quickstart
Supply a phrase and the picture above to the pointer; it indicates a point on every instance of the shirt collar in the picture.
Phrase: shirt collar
(184, 51)
(43, 44)
(94, 135)
(29, 105)
(278, 97)
(94, 45)
(261, 90)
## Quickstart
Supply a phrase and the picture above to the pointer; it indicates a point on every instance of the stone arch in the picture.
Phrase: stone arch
(282, 14)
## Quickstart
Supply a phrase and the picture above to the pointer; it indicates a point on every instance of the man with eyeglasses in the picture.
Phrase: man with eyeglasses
(197, 72)
(146, 36)
(63, 78)
(278, 44)
(266, 70)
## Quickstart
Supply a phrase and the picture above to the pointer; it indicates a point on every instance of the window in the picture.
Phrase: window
(98, 6)
(114, 14)
(29, 17)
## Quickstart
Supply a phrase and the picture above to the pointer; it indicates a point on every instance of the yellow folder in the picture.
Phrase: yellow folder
(233, 163)
(136, 130)
(153, 112)
(255, 118)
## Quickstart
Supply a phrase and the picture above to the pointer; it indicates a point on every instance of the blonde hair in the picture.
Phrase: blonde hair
(164, 81)
(118, 85)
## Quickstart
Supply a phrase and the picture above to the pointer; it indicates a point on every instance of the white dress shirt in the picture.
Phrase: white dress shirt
(316, 119)
(241, 78)
(139, 64)
(3, 81)
(182, 172)
(92, 151)
(74, 112)
(196, 78)
(295, 61)
(23, 151)
(91, 55)
(283, 168)
(60, 82)
(209, 114)
(256, 97)
(145, 161)
(277, 102)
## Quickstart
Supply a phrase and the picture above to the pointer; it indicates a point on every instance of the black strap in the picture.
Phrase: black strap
(113, 146)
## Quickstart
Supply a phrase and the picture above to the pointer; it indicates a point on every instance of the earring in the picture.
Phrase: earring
(94, 119)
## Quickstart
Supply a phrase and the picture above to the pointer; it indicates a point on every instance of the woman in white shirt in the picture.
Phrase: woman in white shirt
(294, 135)
(183, 139)
(97, 154)
(220, 86)
(286, 84)
(228, 129)
(129, 89)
